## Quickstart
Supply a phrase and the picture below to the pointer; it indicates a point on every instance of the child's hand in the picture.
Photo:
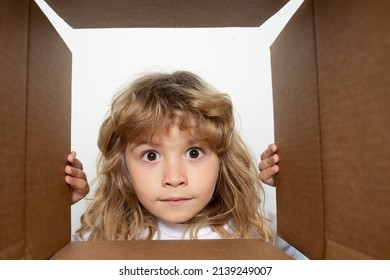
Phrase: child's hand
(268, 165)
(76, 178)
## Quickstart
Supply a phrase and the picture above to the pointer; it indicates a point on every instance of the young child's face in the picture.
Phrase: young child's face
(173, 177)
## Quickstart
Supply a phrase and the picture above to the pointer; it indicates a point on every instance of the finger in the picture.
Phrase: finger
(269, 181)
(77, 164)
(74, 161)
(267, 176)
(79, 186)
(75, 172)
(266, 163)
(71, 156)
(272, 148)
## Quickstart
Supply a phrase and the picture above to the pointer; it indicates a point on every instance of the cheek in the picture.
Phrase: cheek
(145, 189)
(208, 178)
(141, 176)
(141, 179)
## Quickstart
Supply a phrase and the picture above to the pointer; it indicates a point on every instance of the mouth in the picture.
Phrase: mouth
(176, 201)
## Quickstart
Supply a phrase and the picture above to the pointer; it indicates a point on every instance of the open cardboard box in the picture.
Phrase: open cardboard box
(330, 70)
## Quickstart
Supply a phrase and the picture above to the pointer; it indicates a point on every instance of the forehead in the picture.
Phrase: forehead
(164, 127)
(173, 134)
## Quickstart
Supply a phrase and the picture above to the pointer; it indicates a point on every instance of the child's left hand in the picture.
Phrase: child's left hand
(76, 178)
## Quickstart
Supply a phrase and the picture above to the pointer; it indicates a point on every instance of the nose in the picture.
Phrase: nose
(174, 174)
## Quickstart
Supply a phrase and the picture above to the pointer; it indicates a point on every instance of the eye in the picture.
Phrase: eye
(150, 156)
(195, 153)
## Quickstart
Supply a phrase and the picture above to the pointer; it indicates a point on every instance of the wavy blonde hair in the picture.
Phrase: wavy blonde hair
(146, 108)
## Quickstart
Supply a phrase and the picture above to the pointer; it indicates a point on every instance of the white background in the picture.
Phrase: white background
(234, 60)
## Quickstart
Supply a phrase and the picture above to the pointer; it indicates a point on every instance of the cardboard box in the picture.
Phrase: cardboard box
(330, 71)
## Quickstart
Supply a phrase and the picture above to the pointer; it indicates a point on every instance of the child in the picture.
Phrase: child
(172, 166)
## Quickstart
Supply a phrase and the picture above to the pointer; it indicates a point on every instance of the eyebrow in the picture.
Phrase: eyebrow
(136, 144)
(190, 142)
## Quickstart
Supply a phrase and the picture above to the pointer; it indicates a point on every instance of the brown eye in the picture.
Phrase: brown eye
(150, 156)
(195, 153)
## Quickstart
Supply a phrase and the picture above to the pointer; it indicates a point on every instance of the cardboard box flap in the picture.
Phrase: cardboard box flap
(300, 209)
(222, 249)
(48, 139)
(35, 114)
(330, 70)
(174, 13)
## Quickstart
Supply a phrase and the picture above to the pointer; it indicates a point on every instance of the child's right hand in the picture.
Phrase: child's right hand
(76, 178)
(268, 165)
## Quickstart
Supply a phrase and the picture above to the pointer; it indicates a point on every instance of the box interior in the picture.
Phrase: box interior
(331, 96)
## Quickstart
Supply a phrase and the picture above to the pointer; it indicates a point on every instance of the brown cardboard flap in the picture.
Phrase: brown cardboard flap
(354, 86)
(47, 216)
(300, 209)
(174, 13)
(223, 249)
(350, 218)
(13, 71)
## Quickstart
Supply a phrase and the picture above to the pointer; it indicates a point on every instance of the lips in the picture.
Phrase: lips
(176, 201)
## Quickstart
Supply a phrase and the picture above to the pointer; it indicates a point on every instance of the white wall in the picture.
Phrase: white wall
(233, 60)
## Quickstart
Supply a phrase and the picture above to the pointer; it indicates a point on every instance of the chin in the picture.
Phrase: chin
(175, 220)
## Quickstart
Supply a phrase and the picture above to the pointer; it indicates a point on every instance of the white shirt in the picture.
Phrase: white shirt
(170, 231)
